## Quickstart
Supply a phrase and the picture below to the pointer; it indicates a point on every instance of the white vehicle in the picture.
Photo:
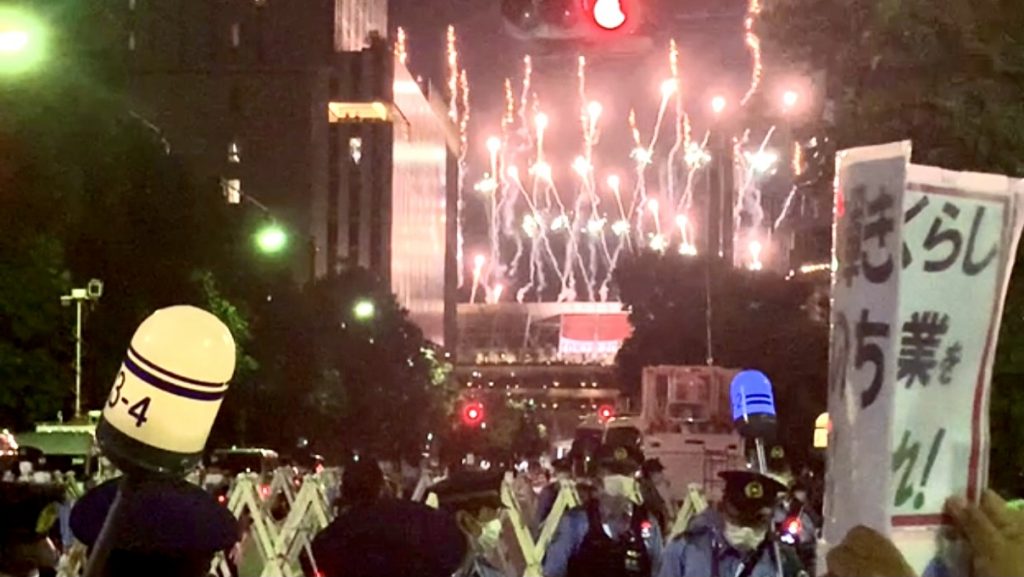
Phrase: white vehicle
(686, 415)
(685, 422)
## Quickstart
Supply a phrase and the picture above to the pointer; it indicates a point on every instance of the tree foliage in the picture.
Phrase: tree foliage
(370, 385)
(758, 321)
(947, 75)
(90, 190)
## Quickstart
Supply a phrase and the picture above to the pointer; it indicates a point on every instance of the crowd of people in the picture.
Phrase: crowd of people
(620, 527)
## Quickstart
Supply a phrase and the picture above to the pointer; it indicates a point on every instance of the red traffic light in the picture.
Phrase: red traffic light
(609, 14)
(605, 412)
(473, 413)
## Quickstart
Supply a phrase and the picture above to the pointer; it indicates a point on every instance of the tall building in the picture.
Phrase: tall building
(303, 110)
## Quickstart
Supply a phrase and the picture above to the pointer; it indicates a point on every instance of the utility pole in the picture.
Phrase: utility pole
(92, 292)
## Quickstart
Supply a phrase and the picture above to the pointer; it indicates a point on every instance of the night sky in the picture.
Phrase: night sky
(713, 59)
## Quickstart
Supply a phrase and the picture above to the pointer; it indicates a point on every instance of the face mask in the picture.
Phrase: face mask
(618, 485)
(490, 534)
(743, 538)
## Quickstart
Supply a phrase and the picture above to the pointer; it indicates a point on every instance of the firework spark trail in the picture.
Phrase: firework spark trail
(524, 104)
(454, 116)
(680, 121)
(542, 230)
(453, 75)
(581, 76)
(402, 46)
(510, 109)
(640, 186)
(798, 168)
(751, 193)
(686, 202)
(754, 45)
(464, 111)
(576, 227)
(604, 290)
(657, 125)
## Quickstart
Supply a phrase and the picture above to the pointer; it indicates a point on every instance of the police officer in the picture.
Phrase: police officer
(798, 524)
(735, 538)
(27, 513)
(549, 494)
(610, 535)
(171, 528)
(474, 498)
(376, 536)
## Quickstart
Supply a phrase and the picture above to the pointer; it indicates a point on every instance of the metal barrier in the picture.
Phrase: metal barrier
(279, 545)
(277, 548)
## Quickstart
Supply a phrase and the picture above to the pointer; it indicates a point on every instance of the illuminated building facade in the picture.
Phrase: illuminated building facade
(301, 109)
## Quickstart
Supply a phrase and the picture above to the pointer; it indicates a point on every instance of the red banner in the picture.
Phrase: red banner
(593, 334)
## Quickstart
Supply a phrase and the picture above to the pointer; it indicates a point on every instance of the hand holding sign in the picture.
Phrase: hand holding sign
(866, 553)
(995, 532)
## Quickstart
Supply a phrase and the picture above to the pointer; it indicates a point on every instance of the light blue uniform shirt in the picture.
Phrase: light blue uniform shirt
(694, 553)
(572, 529)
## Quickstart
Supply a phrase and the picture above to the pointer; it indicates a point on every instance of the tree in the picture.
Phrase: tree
(35, 376)
(758, 321)
(948, 76)
(945, 74)
(342, 364)
(94, 191)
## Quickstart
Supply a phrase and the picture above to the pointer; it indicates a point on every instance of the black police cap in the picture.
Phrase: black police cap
(618, 460)
(160, 517)
(28, 510)
(750, 491)
(469, 490)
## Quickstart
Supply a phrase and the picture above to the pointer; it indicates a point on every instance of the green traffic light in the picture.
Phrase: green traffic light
(272, 239)
(23, 39)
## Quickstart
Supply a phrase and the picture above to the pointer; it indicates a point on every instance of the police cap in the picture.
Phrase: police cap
(470, 490)
(750, 492)
(618, 460)
(29, 510)
(161, 517)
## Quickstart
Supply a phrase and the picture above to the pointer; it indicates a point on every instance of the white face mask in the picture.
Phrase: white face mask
(743, 538)
(490, 534)
(618, 485)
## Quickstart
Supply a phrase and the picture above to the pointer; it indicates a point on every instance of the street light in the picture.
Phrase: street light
(364, 310)
(92, 292)
(22, 41)
(271, 239)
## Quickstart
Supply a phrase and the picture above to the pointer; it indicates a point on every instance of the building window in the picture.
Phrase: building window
(234, 153)
(232, 189)
(236, 35)
(355, 149)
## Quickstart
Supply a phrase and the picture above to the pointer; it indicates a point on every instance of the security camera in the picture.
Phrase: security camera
(95, 288)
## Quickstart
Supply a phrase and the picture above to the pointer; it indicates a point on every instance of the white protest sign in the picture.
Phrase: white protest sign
(865, 287)
(960, 235)
(921, 433)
